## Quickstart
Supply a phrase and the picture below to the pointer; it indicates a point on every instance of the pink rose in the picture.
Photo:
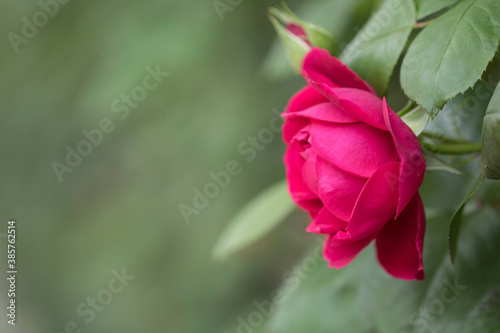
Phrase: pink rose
(356, 167)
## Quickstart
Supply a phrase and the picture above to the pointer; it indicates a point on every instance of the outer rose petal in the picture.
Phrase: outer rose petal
(292, 126)
(358, 149)
(309, 170)
(360, 104)
(340, 251)
(313, 207)
(320, 68)
(338, 190)
(377, 202)
(302, 100)
(325, 111)
(299, 191)
(313, 228)
(400, 242)
(326, 223)
(410, 153)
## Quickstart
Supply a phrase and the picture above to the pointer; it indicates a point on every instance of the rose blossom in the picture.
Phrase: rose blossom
(356, 167)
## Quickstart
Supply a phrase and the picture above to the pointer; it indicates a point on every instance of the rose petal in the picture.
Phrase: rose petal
(357, 149)
(295, 163)
(377, 202)
(358, 103)
(312, 228)
(325, 111)
(298, 31)
(302, 100)
(338, 190)
(400, 242)
(292, 126)
(320, 68)
(299, 191)
(309, 175)
(313, 207)
(339, 251)
(412, 159)
(326, 223)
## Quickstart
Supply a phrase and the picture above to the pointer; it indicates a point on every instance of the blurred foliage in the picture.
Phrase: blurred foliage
(464, 40)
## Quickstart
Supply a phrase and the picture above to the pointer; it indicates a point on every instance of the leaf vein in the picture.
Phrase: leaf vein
(453, 31)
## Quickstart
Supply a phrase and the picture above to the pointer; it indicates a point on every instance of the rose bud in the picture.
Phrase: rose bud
(491, 138)
(355, 167)
(299, 36)
(298, 31)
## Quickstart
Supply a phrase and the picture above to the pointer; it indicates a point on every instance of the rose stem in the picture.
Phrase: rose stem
(453, 149)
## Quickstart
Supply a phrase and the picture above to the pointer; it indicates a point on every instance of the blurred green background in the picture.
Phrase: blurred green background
(118, 208)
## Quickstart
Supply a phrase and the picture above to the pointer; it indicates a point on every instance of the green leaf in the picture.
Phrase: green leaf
(451, 53)
(427, 7)
(457, 219)
(491, 138)
(255, 220)
(375, 50)
(416, 119)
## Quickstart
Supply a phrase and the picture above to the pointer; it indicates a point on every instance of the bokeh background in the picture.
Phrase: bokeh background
(118, 209)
